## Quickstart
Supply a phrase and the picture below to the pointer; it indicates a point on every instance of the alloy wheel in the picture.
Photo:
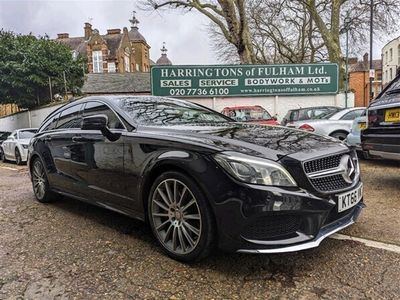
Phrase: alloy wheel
(39, 179)
(176, 216)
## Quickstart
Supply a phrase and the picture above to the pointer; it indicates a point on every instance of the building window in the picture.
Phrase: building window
(97, 62)
(126, 63)
(398, 55)
(386, 57)
(386, 76)
(74, 54)
(137, 67)
(111, 67)
(391, 54)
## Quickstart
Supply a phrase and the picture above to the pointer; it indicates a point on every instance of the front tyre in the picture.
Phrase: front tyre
(18, 158)
(40, 184)
(180, 217)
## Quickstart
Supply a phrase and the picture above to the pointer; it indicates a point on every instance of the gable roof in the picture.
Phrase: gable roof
(117, 83)
(361, 66)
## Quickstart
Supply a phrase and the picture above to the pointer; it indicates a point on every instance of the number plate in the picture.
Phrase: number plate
(392, 115)
(349, 199)
(362, 125)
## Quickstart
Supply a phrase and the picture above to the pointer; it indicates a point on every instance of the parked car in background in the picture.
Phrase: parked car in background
(3, 137)
(253, 114)
(200, 179)
(353, 139)
(15, 147)
(308, 113)
(337, 124)
(382, 136)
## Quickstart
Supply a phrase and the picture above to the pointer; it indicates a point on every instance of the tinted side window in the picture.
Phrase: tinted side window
(49, 124)
(70, 117)
(97, 108)
(352, 115)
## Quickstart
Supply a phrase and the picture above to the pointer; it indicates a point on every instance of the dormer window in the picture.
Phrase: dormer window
(97, 57)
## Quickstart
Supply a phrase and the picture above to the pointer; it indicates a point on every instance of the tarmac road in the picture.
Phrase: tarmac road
(69, 249)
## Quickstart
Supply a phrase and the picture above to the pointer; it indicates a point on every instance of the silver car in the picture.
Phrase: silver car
(337, 125)
(15, 147)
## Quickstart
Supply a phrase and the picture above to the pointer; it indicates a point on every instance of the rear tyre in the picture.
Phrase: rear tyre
(2, 156)
(180, 217)
(40, 184)
(340, 135)
(18, 158)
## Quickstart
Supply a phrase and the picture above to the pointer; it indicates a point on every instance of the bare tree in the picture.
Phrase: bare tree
(228, 15)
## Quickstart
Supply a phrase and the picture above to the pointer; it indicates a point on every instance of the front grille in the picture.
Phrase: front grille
(271, 227)
(321, 164)
(327, 174)
(330, 183)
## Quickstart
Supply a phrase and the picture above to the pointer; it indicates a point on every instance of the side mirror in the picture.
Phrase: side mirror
(99, 122)
(11, 138)
(95, 122)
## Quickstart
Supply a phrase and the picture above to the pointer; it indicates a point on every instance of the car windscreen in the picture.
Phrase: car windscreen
(4, 135)
(326, 115)
(168, 112)
(250, 114)
(26, 134)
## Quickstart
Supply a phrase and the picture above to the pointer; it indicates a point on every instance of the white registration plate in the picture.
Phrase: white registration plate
(349, 199)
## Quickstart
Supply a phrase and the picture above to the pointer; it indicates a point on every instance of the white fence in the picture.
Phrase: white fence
(275, 105)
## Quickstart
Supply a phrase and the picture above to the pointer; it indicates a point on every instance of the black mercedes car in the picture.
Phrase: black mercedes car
(381, 138)
(197, 177)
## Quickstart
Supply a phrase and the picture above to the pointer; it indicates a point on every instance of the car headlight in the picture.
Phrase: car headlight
(254, 170)
(25, 146)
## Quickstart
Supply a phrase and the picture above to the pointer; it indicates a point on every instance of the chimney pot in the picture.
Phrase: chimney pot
(88, 30)
(62, 35)
(365, 59)
(114, 31)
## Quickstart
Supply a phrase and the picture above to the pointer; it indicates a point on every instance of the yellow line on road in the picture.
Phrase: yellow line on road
(8, 168)
(369, 243)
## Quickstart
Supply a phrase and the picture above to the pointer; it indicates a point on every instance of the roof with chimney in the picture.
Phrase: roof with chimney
(117, 83)
(363, 65)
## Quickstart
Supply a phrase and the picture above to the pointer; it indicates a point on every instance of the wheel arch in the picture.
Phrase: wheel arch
(339, 131)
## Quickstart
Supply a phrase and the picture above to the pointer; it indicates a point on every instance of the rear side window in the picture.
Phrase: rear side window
(352, 114)
(98, 108)
(70, 117)
(49, 124)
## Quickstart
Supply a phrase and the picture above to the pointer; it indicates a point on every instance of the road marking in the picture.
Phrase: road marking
(369, 243)
(8, 168)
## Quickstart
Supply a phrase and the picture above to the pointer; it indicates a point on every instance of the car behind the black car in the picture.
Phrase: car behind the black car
(199, 178)
(381, 138)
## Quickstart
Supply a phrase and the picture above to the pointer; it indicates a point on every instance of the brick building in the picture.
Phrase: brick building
(114, 52)
(359, 79)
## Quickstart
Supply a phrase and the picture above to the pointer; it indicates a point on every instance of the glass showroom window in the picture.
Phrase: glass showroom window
(97, 62)
(111, 67)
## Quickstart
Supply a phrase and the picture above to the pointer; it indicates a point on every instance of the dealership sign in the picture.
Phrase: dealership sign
(244, 80)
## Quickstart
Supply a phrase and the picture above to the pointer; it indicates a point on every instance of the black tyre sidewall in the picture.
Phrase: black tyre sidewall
(206, 243)
(18, 162)
(48, 195)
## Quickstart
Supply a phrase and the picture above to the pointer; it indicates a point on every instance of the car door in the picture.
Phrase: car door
(9, 145)
(346, 121)
(66, 156)
(103, 160)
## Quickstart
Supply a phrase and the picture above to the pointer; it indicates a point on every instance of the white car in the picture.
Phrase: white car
(15, 147)
(337, 125)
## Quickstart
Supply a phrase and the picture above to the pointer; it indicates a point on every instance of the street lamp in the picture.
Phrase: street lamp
(371, 24)
(347, 21)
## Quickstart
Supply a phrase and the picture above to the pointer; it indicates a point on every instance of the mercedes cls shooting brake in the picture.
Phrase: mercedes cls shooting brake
(200, 179)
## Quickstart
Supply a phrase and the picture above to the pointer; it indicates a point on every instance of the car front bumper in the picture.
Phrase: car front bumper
(274, 220)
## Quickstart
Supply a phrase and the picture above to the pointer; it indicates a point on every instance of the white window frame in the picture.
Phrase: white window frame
(97, 57)
(111, 67)
(127, 63)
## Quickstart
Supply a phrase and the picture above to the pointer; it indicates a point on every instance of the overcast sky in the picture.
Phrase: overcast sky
(185, 35)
